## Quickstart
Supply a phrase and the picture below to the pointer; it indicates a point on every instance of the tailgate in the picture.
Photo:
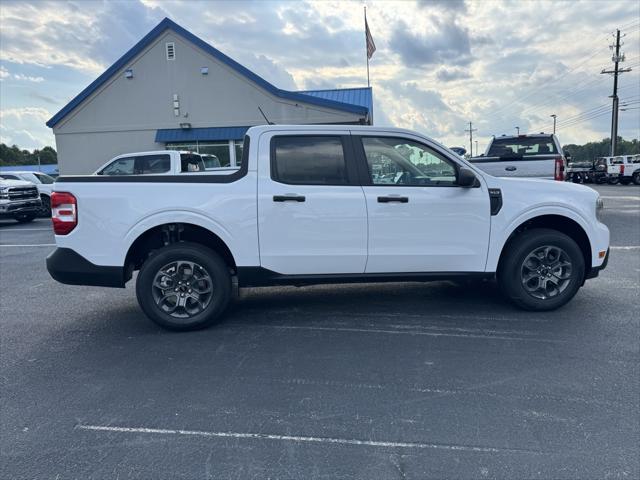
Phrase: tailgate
(533, 166)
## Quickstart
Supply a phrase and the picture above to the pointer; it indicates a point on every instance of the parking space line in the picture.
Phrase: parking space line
(31, 245)
(306, 439)
(625, 247)
(411, 333)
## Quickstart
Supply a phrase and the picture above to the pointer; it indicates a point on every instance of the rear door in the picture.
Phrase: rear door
(312, 216)
(419, 219)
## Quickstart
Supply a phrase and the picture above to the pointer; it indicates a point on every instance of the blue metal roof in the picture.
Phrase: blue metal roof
(353, 96)
(200, 134)
(169, 24)
(46, 168)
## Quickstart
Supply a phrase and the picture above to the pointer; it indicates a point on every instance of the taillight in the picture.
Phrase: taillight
(64, 212)
(559, 169)
(621, 169)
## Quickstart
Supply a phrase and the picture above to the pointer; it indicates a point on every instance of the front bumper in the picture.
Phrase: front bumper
(11, 209)
(593, 272)
(68, 266)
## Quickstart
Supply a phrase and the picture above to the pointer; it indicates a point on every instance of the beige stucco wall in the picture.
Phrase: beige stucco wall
(124, 114)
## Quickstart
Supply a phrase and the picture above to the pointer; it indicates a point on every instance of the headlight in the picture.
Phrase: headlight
(599, 208)
(4, 193)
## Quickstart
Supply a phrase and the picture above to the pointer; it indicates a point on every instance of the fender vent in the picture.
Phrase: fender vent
(495, 200)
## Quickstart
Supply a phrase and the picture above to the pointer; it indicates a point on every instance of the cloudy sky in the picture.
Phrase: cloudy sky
(439, 63)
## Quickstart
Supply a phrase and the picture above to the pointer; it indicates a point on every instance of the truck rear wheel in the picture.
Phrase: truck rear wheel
(542, 270)
(636, 178)
(613, 180)
(184, 286)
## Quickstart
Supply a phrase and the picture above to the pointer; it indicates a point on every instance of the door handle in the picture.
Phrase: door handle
(289, 198)
(510, 169)
(393, 198)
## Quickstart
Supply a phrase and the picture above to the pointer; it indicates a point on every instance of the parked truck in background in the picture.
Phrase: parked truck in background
(324, 204)
(531, 156)
(19, 200)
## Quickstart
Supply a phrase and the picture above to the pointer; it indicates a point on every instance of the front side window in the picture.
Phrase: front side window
(399, 161)
(122, 166)
(153, 164)
(308, 160)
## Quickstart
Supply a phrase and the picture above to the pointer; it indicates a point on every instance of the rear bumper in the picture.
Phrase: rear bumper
(67, 266)
(595, 271)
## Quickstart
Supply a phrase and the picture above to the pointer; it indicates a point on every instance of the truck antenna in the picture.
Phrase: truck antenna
(265, 117)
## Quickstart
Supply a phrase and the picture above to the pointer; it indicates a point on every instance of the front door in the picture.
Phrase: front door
(311, 211)
(419, 219)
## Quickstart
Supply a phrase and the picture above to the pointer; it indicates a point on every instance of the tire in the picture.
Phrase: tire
(600, 180)
(513, 270)
(636, 178)
(613, 180)
(179, 268)
(25, 217)
(45, 209)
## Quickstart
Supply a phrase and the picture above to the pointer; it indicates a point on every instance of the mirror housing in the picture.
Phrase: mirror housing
(466, 178)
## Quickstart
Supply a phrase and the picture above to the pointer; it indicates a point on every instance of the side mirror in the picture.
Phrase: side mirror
(466, 178)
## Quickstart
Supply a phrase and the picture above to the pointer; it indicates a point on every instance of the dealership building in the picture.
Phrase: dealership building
(172, 90)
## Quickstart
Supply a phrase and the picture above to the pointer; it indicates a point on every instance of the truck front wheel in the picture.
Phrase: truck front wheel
(184, 286)
(541, 270)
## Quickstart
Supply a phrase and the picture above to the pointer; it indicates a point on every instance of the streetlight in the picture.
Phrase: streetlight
(554, 122)
(518, 130)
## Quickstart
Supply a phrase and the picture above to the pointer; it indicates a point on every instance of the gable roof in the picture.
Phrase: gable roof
(217, 54)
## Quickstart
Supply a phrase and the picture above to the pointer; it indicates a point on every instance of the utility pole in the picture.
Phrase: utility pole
(518, 130)
(471, 130)
(554, 122)
(616, 59)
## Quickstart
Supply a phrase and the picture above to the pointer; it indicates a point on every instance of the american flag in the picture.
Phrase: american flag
(371, 46)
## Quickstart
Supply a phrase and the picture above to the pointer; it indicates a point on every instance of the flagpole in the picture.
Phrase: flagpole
(366, 50)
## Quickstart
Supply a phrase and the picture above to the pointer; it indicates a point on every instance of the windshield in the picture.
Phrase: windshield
(30, 177)
(517, 147)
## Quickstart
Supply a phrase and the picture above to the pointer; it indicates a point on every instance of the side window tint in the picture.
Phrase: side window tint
(122, 166)
(191, 162)
(309, 160)
(151, 164)
(399, 161)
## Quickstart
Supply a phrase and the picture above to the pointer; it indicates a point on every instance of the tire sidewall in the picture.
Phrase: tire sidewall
(207, 258)
(510, 271)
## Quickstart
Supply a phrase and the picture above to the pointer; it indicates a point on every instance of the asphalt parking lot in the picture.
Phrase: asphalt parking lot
(358, 381)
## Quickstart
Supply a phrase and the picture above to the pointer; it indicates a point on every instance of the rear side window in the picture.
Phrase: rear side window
(510, 148)
(308, 160)
(150, 164)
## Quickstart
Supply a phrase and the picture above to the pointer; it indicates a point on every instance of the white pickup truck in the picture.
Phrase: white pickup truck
(531, 156)
(324, 204)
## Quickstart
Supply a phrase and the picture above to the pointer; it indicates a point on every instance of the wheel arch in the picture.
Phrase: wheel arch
(168, 233)
(553, 221)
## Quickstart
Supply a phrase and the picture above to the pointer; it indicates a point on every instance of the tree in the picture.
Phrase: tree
(15, 156)
(592, 150)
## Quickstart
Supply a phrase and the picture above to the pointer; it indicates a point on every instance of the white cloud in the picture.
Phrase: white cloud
(25, 127)
(439, 63)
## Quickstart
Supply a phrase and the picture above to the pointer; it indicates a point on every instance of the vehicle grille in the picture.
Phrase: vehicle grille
(23, 193)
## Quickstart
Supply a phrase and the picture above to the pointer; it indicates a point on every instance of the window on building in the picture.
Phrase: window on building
(220, 150)
(398, 161)
(309, 160)
(238, 147)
